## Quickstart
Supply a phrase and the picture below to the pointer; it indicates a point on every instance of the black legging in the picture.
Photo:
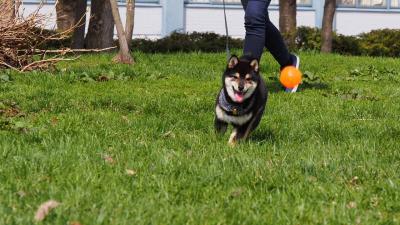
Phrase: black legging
(261, 32)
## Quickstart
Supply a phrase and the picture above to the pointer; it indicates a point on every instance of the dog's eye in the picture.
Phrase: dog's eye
(248, 79)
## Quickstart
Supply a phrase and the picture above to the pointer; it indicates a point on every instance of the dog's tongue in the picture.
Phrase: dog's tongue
(239, 97)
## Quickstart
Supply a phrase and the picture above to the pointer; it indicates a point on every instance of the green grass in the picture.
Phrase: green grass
(326, 155)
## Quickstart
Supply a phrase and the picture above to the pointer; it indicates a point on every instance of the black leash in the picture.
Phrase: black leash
(228, 52)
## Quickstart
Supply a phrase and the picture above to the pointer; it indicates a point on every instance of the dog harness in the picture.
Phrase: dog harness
(236, 109)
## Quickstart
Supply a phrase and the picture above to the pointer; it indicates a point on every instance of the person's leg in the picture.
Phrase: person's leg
(255, 24)
(275, 44)
(261, 32)
(258, 25)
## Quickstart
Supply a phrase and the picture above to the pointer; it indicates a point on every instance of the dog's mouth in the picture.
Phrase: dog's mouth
(239, 95)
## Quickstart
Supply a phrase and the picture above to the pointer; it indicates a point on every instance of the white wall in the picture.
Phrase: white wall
(47, 9)
(353, 23)
(304, 18)
(148, 19)
(212, 20)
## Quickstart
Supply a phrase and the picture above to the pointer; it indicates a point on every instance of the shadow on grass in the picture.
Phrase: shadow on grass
(261, 136)
(275, 86)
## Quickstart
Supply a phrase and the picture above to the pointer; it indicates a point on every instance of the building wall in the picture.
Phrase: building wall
(351, 22)
(347, 21)
(148, 18)
(46, 9)
(209, 19)
(151, 18)
(205, 19)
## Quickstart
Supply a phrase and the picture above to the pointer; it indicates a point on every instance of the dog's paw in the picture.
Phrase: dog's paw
(232, 144)
(232, 139)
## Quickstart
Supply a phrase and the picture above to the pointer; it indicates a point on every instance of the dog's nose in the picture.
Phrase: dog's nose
(241, 88)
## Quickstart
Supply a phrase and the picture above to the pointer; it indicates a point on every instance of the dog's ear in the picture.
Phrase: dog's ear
(233, 61)
(254, 65)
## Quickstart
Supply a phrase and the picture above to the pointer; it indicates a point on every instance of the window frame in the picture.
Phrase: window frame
(219, 2)
(119, 1)
(357, 5)
(394, 7)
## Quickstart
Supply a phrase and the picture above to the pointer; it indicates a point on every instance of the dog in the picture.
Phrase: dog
(242, 99)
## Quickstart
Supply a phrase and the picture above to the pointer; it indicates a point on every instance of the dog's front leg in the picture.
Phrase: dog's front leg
(220, 126)
(245, 130)
(240, 133)
(233, 139)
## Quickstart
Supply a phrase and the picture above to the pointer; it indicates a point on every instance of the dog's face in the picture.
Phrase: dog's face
(241, 78)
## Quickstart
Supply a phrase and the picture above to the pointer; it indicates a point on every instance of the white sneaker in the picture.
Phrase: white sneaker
(295, 63)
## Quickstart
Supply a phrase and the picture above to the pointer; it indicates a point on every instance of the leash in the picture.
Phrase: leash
(228, 52)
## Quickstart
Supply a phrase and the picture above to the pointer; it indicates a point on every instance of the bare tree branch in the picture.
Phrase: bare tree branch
(45, 62)
(68, 50)
(21, 39)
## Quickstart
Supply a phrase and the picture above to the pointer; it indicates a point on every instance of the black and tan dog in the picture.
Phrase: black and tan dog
(242, 99)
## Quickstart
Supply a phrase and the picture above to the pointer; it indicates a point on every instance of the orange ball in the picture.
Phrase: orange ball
(290, 77)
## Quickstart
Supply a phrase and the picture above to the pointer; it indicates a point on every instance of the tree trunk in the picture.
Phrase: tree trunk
(69, 14)
(130, 20)
(327, 25)
(101, 26)
(9, 11)
(287, 21)
(124, 55)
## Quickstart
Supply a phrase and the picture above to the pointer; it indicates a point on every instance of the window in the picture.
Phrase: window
(299, 2)
(372, 3)
(273, 2)
(304, 2)
(141, 1)
(347, 3)
(368, 3)
(395, 4)
(121, 1)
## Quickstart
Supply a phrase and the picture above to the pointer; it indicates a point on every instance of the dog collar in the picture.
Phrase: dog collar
(236, 109)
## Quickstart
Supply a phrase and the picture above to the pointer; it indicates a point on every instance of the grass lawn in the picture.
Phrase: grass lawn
(139, 147)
